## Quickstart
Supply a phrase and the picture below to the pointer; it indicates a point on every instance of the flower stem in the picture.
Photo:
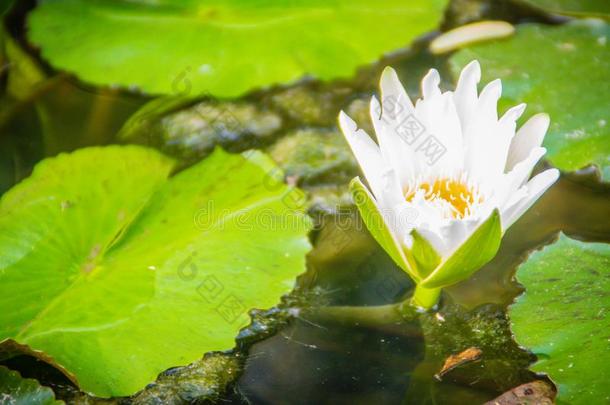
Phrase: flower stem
(364, 315)
(425, 298)
(408, 310)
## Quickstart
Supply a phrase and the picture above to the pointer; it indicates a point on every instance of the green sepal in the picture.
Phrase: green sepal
(426, 257)
(480, 248)
(369, 211)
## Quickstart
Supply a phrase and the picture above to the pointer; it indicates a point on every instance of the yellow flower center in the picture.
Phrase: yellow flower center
(459, 195)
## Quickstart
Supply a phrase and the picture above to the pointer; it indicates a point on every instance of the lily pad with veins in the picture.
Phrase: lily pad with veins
(114, 271)
(564, 317)
(223, 47)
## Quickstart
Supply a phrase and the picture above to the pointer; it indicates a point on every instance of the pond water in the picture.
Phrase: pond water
(325, 361)
(310, 362)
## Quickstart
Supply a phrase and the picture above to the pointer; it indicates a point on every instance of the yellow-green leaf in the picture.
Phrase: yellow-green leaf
(117, 272)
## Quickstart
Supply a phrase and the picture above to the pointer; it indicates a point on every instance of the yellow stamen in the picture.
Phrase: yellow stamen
(455, 192)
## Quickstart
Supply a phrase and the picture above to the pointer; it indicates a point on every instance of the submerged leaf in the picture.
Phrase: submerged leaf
(16, 390)
(117, 272)
(569, 79)
(563, 317)
(315, 157)
(224, 48)
(190, 130)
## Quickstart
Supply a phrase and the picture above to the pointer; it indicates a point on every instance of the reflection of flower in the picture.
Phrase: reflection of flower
(450, 159)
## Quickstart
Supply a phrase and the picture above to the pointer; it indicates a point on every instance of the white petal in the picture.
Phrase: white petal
(429, 84)
(394, 150)
(514, 179)
(466, 93)
(454, 234)
(535, 188)
(503, 134)
(450, 236)
(529, 136)
(366, 152)
(522, 170)
(488, 99)
(392, 127)
(391, 193)
(483, 152)
(513, 113)
(488, 139)
(428, 214)
(392, 88)
(401, 218)
(440, 148)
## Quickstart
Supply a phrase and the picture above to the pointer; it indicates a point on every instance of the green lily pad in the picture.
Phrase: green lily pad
(16, 390)
(224, 48)
(563, 317)
(598, 8)
(564, 71)
(114, 273)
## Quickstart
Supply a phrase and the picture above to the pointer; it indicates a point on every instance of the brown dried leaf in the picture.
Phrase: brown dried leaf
(533, 393)
(456, 360)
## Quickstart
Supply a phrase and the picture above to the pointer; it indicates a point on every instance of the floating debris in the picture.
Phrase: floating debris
(470, 33)
(456, 360)
(533, 393)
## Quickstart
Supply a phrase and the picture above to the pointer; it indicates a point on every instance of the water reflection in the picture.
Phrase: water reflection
(323, 363)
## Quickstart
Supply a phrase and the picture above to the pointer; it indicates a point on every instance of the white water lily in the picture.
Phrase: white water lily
(447, 176)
